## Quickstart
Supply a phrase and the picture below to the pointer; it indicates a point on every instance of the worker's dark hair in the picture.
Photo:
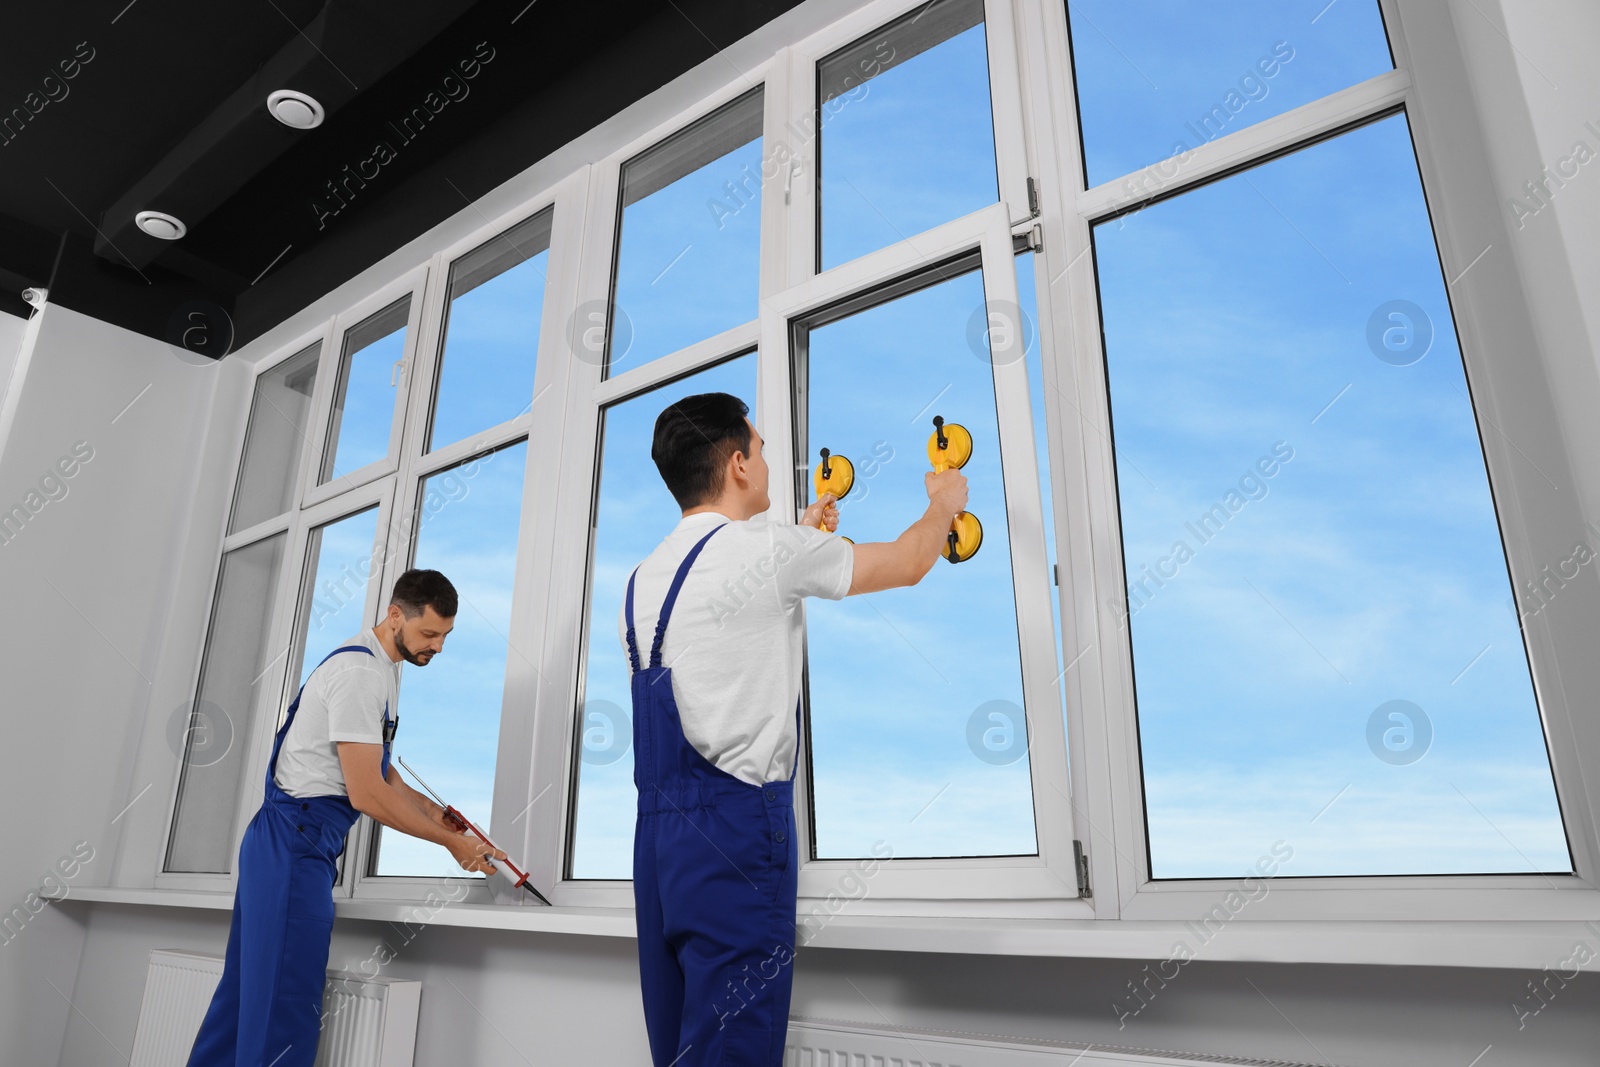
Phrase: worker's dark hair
(416, 590)
(694, 438)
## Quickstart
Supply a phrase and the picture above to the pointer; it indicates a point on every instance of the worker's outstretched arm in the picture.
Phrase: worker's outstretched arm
(391, 805)
(904, 561)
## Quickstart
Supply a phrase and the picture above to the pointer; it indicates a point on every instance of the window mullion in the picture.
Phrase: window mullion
(528, 796)
(777, 175)
(419, 376)
(1106, 816)
(1005, 97)
(549, 826)
(321, 414)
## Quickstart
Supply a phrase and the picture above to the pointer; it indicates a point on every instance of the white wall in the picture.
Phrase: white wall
(566, 999)
(573, 1000)
(11, 331)
(88, 582)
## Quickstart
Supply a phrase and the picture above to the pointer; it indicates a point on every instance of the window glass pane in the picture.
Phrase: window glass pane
(915, 695)
(688, 242)
(1159, 78)
(491, 333)
(279, 416)
(214, 733)
(467, 528)
(907, 135)
(1316, 588)
(364, 399)
(633, 512)
(337, 593)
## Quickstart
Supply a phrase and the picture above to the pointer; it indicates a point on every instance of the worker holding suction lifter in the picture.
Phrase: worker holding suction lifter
(713, 624)
(329, 765)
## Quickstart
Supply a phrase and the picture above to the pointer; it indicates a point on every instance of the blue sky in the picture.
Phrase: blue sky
(895, 676)
(1370, 570)
(491, 341)
(687, 264)
(363, 428)
(907, 150)
(451, 731)
(339, 593)
(634, 513)
(1149, 72)
(1366, 568)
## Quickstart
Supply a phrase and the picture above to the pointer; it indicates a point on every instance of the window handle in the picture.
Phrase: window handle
(788, 178)
(394, 374)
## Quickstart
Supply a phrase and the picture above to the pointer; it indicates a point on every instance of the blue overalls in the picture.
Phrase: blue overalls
(714, 880)
(267, 1011)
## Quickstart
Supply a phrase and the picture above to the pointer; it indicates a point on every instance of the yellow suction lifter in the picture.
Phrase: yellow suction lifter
(836, 475)
(951, 446)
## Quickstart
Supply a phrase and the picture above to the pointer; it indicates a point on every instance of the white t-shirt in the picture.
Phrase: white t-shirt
(734, 641)
(344, 700)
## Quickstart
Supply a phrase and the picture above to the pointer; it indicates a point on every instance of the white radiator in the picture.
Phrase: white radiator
(831, 1043)
(366, 1022)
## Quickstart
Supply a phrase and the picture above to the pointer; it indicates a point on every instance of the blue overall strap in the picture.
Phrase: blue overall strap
(633, 646)
(796, 765)
(294, 706)
(672, 595)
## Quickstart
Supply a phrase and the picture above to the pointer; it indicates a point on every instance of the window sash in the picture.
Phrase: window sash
(506, 250)
(1046, 883)
(335, 357)
(224, 616)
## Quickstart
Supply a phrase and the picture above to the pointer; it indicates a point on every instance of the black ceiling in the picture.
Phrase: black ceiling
(110, 107)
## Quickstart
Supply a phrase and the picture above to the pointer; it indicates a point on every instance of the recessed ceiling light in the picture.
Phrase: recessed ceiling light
(294, 109)
(160, 224)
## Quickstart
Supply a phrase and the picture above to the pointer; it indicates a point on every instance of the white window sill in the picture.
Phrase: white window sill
(603, 922)
(1531, 944)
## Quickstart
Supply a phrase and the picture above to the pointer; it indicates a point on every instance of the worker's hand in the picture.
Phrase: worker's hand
(824, 512)
(473, 855)
(443, 819)
(947, 489)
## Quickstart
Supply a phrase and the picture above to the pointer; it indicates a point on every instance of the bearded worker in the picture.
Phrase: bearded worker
(329, 765)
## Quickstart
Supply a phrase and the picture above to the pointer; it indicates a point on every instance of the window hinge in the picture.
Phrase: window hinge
(1036, 238)
(1033, 198)
(1081, 858)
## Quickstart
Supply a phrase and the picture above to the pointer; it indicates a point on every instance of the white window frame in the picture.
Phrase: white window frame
(281, 608)
(1045, 884)
(1036, 135)
(548, 835)
(289, 609)
(1012, 167)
